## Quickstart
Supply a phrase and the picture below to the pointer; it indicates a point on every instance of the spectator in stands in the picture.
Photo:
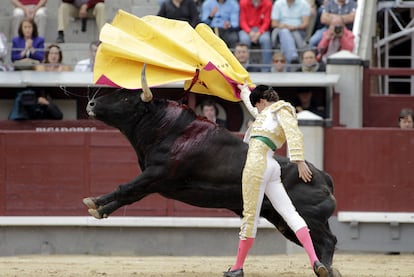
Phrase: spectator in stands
(32, 9)
(290, 20)
(53, 60)
(336, 38)
(79, 8)
(405, 120)
(305, 101)
(27, 47)
(3, 46)
(210, 111)
(3, 51)
(223, 17)
(185, 10)
(310, 63)
(86, 65)
(312, 18)
(255, 24)
(31, 105)
(320, 4)
(242, 54)
(345, 8)
(278, 62)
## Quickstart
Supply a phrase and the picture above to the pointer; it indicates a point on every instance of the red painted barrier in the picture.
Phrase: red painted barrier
(44, 174)
(372, 168)
(48, 173)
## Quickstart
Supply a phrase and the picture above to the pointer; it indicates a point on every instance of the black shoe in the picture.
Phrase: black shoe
(233, 273)
(60, 39)
(320, 270)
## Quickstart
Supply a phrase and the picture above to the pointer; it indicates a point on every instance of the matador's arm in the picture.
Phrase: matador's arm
(294, 136)
(245, 96)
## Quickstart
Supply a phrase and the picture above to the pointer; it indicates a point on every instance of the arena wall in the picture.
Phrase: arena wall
(45, 174)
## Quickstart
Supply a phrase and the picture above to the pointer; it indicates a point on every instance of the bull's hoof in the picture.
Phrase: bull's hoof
(320, 269)
(96, 214)
(335, 272)
(90, 203)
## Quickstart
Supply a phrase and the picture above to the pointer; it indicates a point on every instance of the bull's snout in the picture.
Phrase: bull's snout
(89, 108)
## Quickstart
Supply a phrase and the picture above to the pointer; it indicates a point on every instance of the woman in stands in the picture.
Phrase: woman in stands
(53, 60)
(27, 47)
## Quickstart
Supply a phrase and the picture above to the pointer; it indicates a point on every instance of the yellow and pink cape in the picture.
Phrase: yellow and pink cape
(172, 50)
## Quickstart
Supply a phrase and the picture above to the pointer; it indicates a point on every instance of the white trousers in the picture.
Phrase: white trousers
(261, 175)
(40, 20)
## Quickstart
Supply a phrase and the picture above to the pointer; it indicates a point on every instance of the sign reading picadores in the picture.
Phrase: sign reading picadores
(66, 129)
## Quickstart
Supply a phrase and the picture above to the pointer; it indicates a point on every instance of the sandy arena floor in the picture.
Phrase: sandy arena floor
(350, 265)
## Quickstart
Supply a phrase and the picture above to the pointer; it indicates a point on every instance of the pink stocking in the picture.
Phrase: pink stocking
(304, 237)
(244, 247)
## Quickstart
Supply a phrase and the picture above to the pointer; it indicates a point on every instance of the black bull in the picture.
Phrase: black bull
(190, 159)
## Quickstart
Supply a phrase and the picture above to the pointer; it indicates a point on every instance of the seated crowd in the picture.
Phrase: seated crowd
(286, 26)
(279, 27)
(293, 35)
(30, 51)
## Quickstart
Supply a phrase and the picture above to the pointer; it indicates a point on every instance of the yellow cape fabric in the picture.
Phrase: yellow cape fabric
(172, 50)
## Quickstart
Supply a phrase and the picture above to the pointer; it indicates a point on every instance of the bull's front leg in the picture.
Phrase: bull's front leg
(133, 191)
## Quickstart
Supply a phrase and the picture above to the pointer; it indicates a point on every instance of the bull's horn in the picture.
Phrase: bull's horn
(146, 94)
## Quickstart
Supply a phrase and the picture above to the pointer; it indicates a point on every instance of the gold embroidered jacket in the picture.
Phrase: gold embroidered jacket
(277, 122)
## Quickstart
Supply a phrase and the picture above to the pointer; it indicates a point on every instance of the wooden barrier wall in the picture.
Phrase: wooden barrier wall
(372, 168)
(44, 174)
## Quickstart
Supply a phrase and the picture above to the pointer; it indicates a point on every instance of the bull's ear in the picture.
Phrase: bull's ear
(146, 95)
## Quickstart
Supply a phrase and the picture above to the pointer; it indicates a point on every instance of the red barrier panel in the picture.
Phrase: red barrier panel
(44, 173)
(372, 168)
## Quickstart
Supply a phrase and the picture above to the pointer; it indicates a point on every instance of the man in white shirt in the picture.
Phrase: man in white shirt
(86, 65)
(3, 51)
(290, 20)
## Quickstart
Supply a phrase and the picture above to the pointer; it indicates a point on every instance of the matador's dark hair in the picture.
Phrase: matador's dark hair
(263, 92)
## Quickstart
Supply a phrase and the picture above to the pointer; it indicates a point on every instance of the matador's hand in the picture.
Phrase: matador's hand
(244, 88)
(304, 172)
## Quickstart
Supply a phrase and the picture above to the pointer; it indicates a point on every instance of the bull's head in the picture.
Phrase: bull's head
(122, 106)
